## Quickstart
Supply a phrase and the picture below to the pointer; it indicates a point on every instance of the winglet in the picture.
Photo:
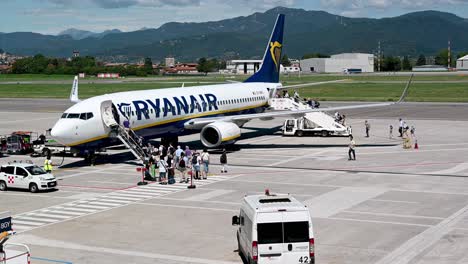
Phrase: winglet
(405, 92)
(74, 91)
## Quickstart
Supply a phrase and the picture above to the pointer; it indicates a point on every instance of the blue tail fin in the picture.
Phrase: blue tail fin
(269, 71)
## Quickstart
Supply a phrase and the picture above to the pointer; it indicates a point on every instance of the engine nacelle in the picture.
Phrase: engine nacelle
(219, 133)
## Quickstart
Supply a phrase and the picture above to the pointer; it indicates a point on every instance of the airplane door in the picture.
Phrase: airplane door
(107, 114)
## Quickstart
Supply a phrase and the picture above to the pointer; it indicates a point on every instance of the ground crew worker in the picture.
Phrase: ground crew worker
(390, 132)
(352, 146)
(223, 161)
(366, 123)
(48, 164)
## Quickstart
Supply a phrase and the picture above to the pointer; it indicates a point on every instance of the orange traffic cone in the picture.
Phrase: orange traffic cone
(416, 144)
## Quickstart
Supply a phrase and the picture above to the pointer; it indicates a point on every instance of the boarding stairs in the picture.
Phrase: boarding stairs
(129, 139)
(318, 118)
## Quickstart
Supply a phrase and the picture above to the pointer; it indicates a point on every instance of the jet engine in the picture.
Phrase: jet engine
(219, 133)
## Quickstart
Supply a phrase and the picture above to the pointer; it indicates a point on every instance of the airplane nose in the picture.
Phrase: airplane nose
(58, 133)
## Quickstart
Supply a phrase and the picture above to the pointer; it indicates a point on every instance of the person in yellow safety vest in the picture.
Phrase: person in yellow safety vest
(48, 164)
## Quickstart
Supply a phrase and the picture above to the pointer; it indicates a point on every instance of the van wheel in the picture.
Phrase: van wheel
(33, 188)
(324, 133)
(3, 186)
(299, 133)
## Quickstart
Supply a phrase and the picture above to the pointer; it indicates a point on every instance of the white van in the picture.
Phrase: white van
(274, 229)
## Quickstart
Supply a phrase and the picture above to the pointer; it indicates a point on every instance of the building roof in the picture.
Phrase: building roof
(463, 58)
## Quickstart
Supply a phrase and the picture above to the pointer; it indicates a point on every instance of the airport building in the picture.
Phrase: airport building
(345, 62)
(243, 66)
(462, 63)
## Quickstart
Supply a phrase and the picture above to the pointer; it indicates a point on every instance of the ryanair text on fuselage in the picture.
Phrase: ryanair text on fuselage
(161, 107)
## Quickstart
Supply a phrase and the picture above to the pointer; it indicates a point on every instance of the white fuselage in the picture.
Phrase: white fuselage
(159, 112)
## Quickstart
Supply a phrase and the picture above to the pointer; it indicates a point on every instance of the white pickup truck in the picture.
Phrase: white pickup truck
(26, 175)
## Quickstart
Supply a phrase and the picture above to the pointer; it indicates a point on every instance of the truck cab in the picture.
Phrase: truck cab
(26, 175)
(274, 229)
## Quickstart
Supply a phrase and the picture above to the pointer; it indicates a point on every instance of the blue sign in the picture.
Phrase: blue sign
(5, 224)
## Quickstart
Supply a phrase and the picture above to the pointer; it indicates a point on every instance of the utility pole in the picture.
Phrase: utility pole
(378, 58)
(449, 56)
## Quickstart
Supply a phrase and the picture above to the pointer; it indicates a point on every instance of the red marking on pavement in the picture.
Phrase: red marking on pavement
(393, 165)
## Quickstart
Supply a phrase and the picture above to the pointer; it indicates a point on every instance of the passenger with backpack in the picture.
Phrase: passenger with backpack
(223, 161)
(195, 164)
(170, 169)
(182, 167)
(162, 165)
(205, 157)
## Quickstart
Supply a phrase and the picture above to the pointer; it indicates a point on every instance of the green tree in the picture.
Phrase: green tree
(285, 61)
(148, 66)
(462, 54)
(442, 58)
(406, 64)
(391, 63)
(202, 65)
(421, 60)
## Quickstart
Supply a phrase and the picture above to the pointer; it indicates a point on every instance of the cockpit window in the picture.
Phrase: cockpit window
(73, 116)
(86, 116)
(64, 115)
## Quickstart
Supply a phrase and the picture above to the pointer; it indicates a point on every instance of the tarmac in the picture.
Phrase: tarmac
(391, 205)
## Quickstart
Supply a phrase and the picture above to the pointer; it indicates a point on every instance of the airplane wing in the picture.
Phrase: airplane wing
(308, 84)
(199, 123)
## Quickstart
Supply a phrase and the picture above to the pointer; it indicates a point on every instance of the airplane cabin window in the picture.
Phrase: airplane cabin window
(64, 115)
(89, 116)
(83, 116)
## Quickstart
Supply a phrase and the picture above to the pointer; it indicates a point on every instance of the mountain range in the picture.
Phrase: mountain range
(78, 34)
(424, 32)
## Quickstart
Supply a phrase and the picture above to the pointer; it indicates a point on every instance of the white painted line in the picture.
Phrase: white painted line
(115, 201)
(92, 206)
(26, 223)
(37, 219)
(105, 204)
(75, 209)
(455, 169)
(395, 215)
(209, 195)
(392, 201)
(126, 199)
(190, 207)
(109, 182)
(48, 215)
(333, 202)
(63, 212)
(132, 195)
(421, 242)
(298, 157)
(34, 240)
(143, 190)
(377, 222)
(15, 227)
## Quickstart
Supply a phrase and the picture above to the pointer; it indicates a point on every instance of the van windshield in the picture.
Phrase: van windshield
(287, 232)
(270, 233)
(295, 232)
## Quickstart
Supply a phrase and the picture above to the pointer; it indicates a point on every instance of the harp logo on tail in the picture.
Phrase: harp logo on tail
(275, 51)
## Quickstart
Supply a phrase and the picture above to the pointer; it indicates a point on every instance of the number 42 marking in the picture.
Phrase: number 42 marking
(304, 259)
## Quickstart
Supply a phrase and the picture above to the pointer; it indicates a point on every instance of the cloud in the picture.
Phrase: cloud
(109, 4)
(382, 4)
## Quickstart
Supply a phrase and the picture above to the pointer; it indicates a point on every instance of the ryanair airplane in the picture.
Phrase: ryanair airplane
(215, 111)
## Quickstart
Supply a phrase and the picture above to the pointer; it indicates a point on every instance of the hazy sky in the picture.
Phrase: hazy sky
(53, 16)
